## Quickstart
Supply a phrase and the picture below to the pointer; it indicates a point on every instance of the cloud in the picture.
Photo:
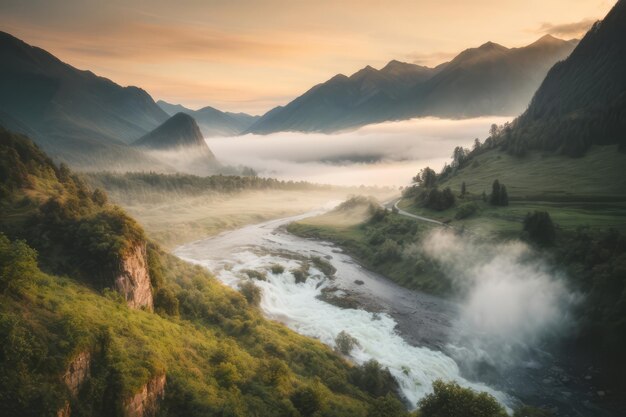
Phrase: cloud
(567, 30)
(381, 154)
(432, 58)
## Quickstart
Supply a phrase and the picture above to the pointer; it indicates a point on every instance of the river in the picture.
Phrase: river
(406, 331)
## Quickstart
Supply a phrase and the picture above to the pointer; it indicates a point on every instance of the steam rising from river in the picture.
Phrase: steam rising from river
(385, 154)
(513, 301)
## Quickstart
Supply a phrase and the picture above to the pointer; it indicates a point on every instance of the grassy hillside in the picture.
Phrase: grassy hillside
(598, 176)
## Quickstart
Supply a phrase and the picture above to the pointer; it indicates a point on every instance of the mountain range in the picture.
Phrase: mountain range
(213, 122)
(79, 117)
(488, 80)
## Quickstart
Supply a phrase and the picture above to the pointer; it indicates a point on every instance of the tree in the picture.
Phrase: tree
(426, 178)
(463, 189)
(99, 197)
(495, 193)
(504, 196)
(476, 145)
(452, 400)
(493, 130)
(539, 227)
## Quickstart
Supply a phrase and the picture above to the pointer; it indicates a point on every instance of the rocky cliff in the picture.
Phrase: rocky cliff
(77, 372)
(145, 403)
(133, 280)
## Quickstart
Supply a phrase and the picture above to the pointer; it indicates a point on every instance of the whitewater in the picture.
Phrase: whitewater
(416, 362)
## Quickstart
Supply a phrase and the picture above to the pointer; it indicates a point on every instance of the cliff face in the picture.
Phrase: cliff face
(77, 372)
(133, 281)
(145, 403)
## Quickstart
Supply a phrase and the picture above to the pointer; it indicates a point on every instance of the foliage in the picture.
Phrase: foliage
(452, 400)
(18, 264)
(251, 292)
(387, 406)
(466, 210)
(426, 178)
(307, 400)
(435, 199)
(277, 269)
(540, 228)
(372, 378)
(345, 342)
(499, 195)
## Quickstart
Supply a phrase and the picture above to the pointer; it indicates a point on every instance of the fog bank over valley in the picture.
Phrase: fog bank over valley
(386, 154)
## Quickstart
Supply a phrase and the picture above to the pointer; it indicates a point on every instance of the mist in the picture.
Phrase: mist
(385, 154)
(512, 301)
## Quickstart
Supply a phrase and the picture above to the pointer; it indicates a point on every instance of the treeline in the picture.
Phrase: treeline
(184, 184)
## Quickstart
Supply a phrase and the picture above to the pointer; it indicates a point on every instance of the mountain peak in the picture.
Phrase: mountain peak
(548, 40)
(364, 71)
(488, 46)
(180, 130)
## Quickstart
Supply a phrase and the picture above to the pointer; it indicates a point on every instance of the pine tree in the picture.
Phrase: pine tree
(495, 193)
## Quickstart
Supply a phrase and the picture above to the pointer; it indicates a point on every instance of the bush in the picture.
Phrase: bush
(388, 251)
(452, 400)
(251, 292)
(18, 264)
(277, 269)
(466, 210)
(345, 342)
(372, 378)
(539, 227)
(387, 406)
(165, 302)
(307, 400)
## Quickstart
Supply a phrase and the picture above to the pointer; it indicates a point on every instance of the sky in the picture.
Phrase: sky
(246, 55)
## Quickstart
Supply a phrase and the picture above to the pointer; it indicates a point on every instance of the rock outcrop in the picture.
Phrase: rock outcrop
(146, 402)
(64, 411)
(133, 280)
(77, 372)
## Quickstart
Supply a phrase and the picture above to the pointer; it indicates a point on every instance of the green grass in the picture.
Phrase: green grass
(219, 354)
(507, 221)
(598, 176)
(366, 242)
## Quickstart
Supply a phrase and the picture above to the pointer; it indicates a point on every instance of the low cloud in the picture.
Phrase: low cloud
(387, 154)
(567, 30)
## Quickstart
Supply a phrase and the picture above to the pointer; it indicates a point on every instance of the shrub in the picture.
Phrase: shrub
(466, 210)
(387, 406)
(165, 302)
(323, 265)
(277, 269)
(388, 251)
(254, 274)
(539, 227)
(18, 264)
(251, 292)
(345, 342)
(307, 400)
(452, 400)
(371, 377)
